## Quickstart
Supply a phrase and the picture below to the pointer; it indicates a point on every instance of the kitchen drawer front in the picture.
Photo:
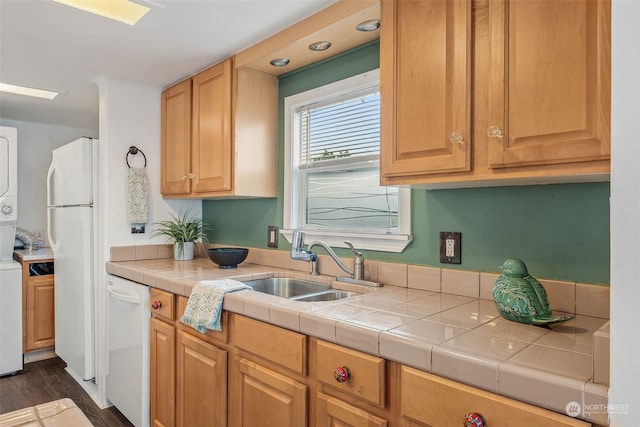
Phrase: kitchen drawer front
(163, 304)
(332, 412)
(436, 401)
(366, 373)
(213, 337)
(283, 347)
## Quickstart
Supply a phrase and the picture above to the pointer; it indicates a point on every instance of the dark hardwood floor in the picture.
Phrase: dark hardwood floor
(46, 380)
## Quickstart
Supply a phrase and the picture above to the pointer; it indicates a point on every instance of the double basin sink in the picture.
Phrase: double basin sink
(298, 289)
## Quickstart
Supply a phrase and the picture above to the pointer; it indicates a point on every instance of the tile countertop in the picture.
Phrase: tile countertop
(457, 337)
(33, 254)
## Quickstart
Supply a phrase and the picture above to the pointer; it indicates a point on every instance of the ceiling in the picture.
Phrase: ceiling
(47, 45)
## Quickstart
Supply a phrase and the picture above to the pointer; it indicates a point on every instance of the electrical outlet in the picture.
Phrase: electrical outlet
(450, 247)
(272, 236)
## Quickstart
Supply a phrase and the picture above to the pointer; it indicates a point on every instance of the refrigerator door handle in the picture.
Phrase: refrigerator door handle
(52, 242)
(49, 175)
(124, 297)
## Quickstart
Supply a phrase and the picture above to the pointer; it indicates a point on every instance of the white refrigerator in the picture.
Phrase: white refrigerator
(72, 183)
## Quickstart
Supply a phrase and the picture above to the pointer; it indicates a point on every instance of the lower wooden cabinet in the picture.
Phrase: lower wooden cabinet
(163, 377)
(268, 383)
(37, 307)
(428, 400)
(254, 374)
(201, 372)
(264, 397)
(188, 372)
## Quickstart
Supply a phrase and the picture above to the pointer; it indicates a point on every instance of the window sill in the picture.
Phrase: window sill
(374, 242)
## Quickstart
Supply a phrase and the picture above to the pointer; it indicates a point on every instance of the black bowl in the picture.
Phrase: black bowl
(228, 257)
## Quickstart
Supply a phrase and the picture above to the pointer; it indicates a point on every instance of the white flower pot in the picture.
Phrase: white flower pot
(184, 253)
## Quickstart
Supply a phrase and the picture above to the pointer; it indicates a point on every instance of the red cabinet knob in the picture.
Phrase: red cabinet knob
(156, 305)
(473, 420)
(341, 374)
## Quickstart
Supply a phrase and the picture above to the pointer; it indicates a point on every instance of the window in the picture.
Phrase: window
(332, 159)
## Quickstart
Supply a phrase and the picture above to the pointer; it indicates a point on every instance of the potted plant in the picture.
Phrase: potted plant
(184, 230)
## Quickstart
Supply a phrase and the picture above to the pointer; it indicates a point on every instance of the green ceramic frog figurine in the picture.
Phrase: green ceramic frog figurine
(521, 298)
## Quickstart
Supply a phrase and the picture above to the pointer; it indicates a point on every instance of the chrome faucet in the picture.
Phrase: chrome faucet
(298, 253)
(358, 261)
(297, 248)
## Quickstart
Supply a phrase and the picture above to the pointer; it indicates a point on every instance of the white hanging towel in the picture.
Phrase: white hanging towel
(138, 199)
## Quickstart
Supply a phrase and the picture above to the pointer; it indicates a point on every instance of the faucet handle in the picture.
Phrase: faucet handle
(355, 251)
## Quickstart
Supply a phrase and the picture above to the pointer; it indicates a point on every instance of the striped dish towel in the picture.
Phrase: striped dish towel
(138, 197)
(204, 307)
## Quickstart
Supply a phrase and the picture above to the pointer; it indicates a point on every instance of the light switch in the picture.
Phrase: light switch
(272, 236)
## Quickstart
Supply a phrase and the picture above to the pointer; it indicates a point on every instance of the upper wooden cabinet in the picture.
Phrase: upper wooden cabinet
(219, 134)
(549, 82)
(425, 66)
(540, 105)
(176, 139)
(211, 129)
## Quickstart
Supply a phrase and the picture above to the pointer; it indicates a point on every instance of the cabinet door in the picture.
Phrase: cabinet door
(212, 150)
(163, 382)
(267, 398)
(332, 412)
(40, 330)
(201, 395)
(425, 87)
(176, 139)
(550, 82)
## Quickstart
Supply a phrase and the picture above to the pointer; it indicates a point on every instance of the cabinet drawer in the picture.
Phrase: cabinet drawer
(163, 304)
(366, 379)
(436, 401)
(286, 348)
(209, 336)
(335, 412)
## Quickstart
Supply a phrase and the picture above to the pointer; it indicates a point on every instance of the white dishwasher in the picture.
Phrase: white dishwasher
(10, 317)
(128, 323)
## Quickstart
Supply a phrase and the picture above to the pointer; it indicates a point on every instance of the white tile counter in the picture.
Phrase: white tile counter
(459, 337)
(39, 254)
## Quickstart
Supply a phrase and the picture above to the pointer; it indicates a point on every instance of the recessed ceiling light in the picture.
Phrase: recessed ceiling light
(320, 46)
(370, 25)
(27, 91)
(121, 10)
(279, 62)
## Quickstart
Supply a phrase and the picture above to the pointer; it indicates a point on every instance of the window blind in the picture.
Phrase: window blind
(347, 131)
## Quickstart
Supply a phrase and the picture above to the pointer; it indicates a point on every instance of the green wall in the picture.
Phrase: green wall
(560, 231)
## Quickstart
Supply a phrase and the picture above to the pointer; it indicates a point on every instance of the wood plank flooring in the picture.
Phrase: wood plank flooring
(46, 380)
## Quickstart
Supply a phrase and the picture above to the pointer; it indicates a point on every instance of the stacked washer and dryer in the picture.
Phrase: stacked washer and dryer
(10, 270)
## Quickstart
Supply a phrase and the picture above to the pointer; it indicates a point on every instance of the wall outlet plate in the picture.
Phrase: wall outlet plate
(450, 247)
(272, 236)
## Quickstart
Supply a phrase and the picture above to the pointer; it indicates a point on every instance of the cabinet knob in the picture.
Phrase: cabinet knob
(473, 419)
(456, 138)
(156, 305)
(184, 177)
(341, 374)
(494, 132)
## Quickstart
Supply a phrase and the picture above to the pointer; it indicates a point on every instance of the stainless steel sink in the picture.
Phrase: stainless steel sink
(298, 289)
(286, 287)
(331, 295)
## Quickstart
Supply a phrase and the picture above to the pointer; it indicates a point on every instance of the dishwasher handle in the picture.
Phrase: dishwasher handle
(124, 297)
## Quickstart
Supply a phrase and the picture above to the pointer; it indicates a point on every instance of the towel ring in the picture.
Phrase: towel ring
(133, 150)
